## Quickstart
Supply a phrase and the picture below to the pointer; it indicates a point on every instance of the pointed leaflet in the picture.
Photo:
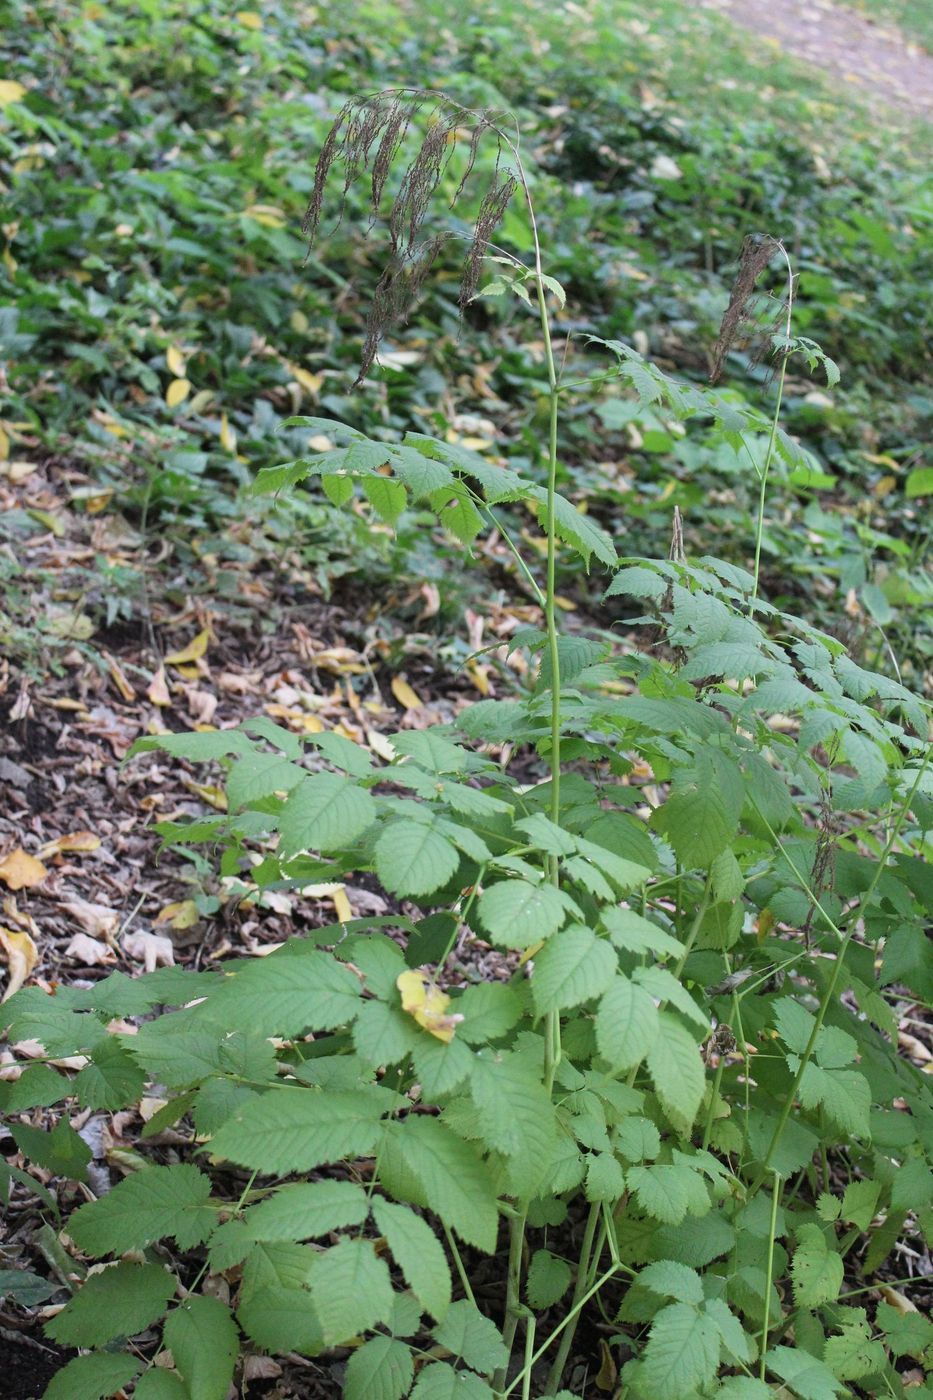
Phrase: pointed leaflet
(351, 1289)
(682, 1353)
(627, 1024)
(307, 1210)
(470, 1335)
(548, 1279)
(117, 1302)
(296, 1130)
(676, 1067)
(324, 813)
(204, 1343)
(516, 1116)
(111, 1079)
(96, 1376)
(517, 913)
(160, 1385)
(423, 1162)
(154, 1204)
(284, 996)
(572, 967)
(418, 1253)
(440, 1381)
(381, 1369)
(412, 858)
(275, 1307)
(817, 1270)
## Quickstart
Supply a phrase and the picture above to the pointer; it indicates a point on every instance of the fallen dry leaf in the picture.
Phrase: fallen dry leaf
(201, 705)
(184, 914)
(427, 1004)
(152, 949)
(21, 871)
(21, 956)
(158, 689)
(95, 919)
(405, 695)
(89, 951)
(75, 841)
(195, 649)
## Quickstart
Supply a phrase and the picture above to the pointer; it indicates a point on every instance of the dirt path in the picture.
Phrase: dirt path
(876, 59)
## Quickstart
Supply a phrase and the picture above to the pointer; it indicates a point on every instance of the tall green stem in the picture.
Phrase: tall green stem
(845, 940)
(513, 1301)
(584, 1277)
(772, 439)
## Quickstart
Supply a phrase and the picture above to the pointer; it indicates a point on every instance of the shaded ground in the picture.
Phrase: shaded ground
(868, 57)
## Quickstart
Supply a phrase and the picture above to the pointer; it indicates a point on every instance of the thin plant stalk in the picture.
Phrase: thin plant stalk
(583, 1279)
(845, 940)
(772, 439)
(513, 1301)
(765, 1326)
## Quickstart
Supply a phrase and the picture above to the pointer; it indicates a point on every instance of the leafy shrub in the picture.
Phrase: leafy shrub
(679, 1096)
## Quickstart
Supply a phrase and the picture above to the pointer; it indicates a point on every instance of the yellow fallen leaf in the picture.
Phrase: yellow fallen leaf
(4, 445)
(76, 841)
(405, 695)
(765, 924)
(342, 905)
(249, 19)
(177, 392)
(427, 1004)
(21, 871)
(175, 361)
(307, 380)
(479, 675)
(208, 792)
(158, 689)
(10, 91)
(184, 914)
(200, 401)
(195, 649)
(120, 681)
(899, 1301)
(884, 486)
(299, 322)
(21, 955)
(16, 471)
(227, 434)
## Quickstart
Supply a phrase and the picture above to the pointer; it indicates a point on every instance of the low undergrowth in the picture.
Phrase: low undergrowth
(669, 1106)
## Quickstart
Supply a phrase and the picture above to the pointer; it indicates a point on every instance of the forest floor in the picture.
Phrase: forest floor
(868, 55)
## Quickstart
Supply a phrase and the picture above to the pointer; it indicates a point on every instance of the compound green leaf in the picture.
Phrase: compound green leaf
(677, 1070)
(627, 1024)
(418, 1253)
(351, 1289)
(296, 1130)
(470, 1335)
(154, 1204)
(816, 1270)
(682, 1353)
(440, 1381)
(117, 1302)
(307, 1210)
(573, 966)
(423, 1162)
(412, 858)
(204, 1343)
(97, 1376)
(381, 1369)
(517, 913)
(547, 1280)
(324, 813)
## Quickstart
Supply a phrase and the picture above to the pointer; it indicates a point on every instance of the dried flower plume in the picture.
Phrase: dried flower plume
(757, 251)
(367, 137)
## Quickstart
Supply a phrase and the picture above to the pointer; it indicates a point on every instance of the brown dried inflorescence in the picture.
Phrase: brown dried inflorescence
(368, 135)
(757, 251)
